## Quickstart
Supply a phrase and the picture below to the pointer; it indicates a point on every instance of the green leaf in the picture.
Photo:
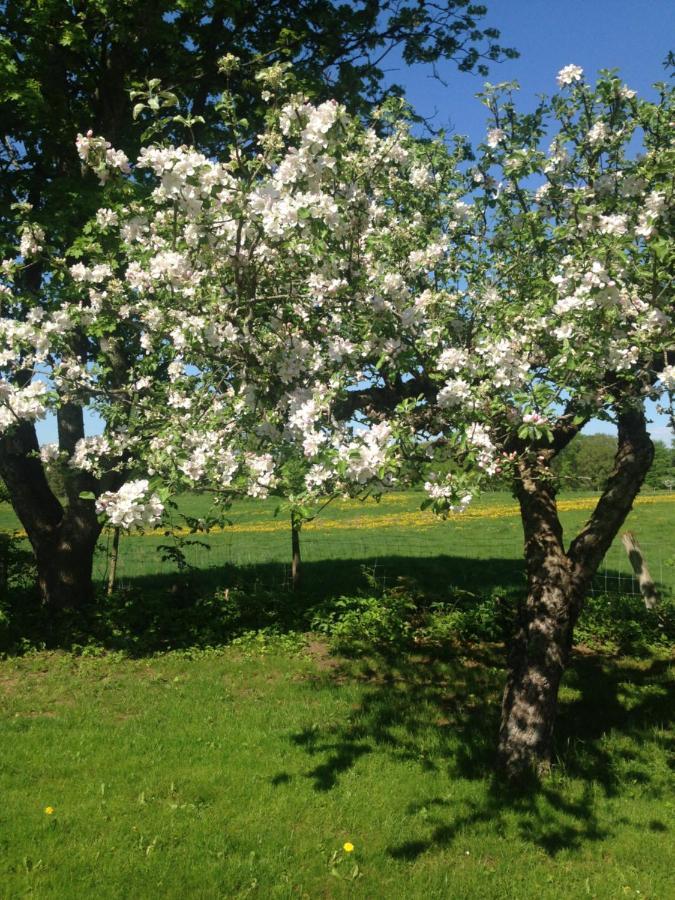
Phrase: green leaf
(87, 495)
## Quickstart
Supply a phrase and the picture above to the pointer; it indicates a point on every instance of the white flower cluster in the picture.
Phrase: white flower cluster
(445, 490)
(367, 453)
(667, 378)
(131, 506)
(569, 75)
(494, 137)
(31, 241)
(100, 156)
(21, 403)
(454, 392)
(49, 453)
(263, 477)
(88, 453)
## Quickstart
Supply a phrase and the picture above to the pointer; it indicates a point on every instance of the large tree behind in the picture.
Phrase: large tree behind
(66, 66)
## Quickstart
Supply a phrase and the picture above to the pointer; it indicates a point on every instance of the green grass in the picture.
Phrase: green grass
(234, 775)
(471, 553)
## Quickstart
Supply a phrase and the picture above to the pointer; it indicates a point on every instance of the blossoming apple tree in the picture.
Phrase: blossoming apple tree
(387, 310)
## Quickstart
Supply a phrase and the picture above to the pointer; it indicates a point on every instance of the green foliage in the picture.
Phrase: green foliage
(661, 474)
(65, 68)
(394, 620)
(586, 462)
(622, 624)
(357, 625)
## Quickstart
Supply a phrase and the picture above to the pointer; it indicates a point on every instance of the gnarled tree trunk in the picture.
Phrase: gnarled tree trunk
(557, 585)
(63, 538)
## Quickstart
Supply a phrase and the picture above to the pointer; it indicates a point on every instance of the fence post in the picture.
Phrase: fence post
(112, 561)
(647, 587)
(295, 550)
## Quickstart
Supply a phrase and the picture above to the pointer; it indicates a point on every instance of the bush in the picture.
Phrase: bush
(622, 623)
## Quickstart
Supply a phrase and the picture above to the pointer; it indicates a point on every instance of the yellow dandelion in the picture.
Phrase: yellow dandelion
(348, 847)
(49, 810)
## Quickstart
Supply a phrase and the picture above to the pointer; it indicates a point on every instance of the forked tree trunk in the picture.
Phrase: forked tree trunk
(541, 645)
(557, 585)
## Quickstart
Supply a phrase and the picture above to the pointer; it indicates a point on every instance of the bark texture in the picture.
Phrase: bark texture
(558, 581)
(63, 537)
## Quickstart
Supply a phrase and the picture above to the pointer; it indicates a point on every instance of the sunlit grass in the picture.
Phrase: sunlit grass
(226, 775)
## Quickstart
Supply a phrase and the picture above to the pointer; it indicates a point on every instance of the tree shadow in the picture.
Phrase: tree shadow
(155, 612)
(207, 607)
(441, 712)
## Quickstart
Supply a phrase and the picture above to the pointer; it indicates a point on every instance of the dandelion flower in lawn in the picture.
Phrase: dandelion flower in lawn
(348, 847)
(49, 810)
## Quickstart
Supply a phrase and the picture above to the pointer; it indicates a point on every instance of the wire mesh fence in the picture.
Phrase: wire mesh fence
(473, 553)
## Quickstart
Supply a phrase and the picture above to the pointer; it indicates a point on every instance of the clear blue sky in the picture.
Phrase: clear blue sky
(633, 36)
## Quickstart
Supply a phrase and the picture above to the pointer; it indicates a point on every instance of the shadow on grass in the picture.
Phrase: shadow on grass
(208, 607)
(442, 713)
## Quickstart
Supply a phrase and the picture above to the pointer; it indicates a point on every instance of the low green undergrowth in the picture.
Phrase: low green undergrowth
(401, 616)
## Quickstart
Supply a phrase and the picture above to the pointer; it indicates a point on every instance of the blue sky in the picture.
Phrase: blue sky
(633, 36)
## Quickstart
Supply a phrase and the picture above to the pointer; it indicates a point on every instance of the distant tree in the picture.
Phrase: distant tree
(586, 463)
(662, 471)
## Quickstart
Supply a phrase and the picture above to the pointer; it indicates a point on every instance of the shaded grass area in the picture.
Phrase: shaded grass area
(239, 775)
(356, 604)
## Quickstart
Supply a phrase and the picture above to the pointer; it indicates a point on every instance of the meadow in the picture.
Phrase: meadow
(160, 757)
(244, 774)
(476, 550)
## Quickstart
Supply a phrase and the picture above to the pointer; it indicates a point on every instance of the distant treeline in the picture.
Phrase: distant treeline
(588, 460)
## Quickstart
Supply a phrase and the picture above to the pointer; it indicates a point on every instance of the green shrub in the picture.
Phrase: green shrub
(622, 623)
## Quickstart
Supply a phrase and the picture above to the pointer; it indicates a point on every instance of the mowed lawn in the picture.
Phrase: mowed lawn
(221, 774)
(240, 773)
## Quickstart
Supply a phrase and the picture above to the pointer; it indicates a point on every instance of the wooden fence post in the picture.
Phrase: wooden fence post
(647, 587)
(112, 562)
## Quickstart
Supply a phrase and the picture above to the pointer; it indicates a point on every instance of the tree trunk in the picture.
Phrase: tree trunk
(541, 646)
(63, 539)
(64, 565)
(557, 585)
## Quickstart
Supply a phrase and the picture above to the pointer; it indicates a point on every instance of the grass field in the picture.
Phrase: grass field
(244, 770)
(230, 775)
(477, 551)
(480, 549)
